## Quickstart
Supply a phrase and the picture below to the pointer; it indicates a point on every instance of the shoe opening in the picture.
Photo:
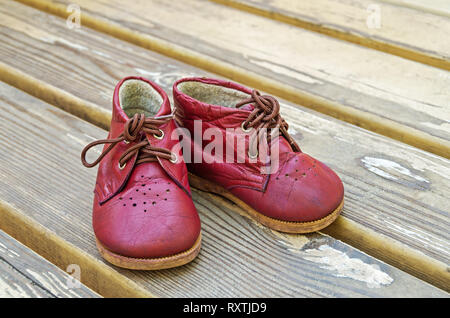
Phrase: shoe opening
(212, 94)
(137, 96)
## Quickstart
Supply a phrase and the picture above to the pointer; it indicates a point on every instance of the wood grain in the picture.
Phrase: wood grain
(394, 193)
(351, 21)
(23, 274)
(439, 7)
(389, 95)
(238, 257)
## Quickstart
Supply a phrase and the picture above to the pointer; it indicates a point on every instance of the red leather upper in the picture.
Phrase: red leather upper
(302, 189)
(145, 210)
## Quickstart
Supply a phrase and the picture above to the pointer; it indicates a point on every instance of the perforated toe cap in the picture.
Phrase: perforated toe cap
(303, 190)
(154, 218)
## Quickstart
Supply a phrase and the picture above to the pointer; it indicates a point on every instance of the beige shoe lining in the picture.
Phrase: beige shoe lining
(137, 96)
(212, 94)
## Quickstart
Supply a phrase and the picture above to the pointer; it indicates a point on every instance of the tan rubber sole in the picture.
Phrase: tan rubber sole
(279, 225)
(151, 263)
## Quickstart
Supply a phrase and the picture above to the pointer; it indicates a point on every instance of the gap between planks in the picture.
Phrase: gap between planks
(96, 275)
(401, 51)
(362, 119)
(344, 229)
(24, 274)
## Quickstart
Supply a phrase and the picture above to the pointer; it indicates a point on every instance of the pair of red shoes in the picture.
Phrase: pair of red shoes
(143, 214)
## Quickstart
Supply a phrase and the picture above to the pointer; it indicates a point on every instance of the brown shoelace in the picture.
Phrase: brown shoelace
(135, 128)
(266, 116)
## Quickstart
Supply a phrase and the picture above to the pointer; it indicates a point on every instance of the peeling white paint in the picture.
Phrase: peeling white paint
(292, 241)
(382, 167)
(341, 265)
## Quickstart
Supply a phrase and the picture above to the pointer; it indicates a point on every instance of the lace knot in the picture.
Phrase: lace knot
(133, 127)
(265, 115)
(135, 130)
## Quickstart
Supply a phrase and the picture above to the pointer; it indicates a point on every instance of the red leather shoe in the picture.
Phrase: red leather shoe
(143, 215)
(301, 195)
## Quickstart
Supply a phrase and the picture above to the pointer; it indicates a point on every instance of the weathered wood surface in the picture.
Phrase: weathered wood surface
(393, 96)
(23, 274)
(440, 7)
(380, 25)
(394, 190)
(238, 257)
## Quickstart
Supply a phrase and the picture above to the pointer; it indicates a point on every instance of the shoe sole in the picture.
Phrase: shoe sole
(279, 225)
(151, 263)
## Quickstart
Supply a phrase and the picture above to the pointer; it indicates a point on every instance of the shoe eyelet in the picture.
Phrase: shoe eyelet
(174, 160)
(252, 156)
(122, 167)
(161, 135)
(246, 130)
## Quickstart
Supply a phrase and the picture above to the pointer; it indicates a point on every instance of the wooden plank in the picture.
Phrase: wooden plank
(23, 273)
(94, 273)
(389, 95)
(439, 7)
(380, 24)
(238, 257)
(396, 195)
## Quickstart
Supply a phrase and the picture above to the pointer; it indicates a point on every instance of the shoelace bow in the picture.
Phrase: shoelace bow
(265, 116)
(135, 128)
